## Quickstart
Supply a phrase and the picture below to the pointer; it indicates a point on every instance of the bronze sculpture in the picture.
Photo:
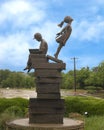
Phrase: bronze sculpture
(43, 45)
(42, 49)
(48, 107)
(65, 33)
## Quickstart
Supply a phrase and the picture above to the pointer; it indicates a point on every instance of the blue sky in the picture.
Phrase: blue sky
(20, 19)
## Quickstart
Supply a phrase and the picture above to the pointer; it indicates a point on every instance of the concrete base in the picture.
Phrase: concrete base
(23, 124)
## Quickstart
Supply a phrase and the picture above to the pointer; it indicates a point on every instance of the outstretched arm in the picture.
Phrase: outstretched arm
(62, 31)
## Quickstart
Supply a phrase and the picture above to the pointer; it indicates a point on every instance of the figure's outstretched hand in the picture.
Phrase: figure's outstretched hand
(58, 25)
(58, 34)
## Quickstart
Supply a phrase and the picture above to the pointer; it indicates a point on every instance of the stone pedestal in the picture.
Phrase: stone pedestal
(23, 124)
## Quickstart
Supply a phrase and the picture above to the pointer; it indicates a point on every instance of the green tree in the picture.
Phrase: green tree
(29, 81)
(4, 75)
(100, 74)
(82, 75)
(67, 80)
(92, 80)
(96, 77)
(18, 80)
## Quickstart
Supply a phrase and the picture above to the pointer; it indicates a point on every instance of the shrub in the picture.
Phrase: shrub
(14, 111)
(93, 88)
(91, 91)
(90, 88)
(11, 109)
(84, 104)
(19, 102)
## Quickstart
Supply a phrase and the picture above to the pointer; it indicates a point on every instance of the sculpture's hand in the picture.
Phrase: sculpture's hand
(58, 34)
(59, 25)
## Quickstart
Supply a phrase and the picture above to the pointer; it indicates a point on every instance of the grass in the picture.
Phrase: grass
(94, 123)
(90, 123)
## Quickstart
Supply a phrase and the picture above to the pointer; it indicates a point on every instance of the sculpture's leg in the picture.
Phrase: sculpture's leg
(58, 50)
(29, 63)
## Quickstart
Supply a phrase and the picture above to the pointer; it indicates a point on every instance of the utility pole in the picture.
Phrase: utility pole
(74, 73)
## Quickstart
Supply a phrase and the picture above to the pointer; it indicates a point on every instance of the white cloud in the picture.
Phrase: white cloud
(21, 12)
(15, 7)
(89, 30)
(13, 49)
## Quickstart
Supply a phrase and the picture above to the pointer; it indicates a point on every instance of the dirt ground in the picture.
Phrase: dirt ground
(26, 93)
(11, 93)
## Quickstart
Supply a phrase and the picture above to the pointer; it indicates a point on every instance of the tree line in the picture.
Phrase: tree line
(15, 79)
(85, 78)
